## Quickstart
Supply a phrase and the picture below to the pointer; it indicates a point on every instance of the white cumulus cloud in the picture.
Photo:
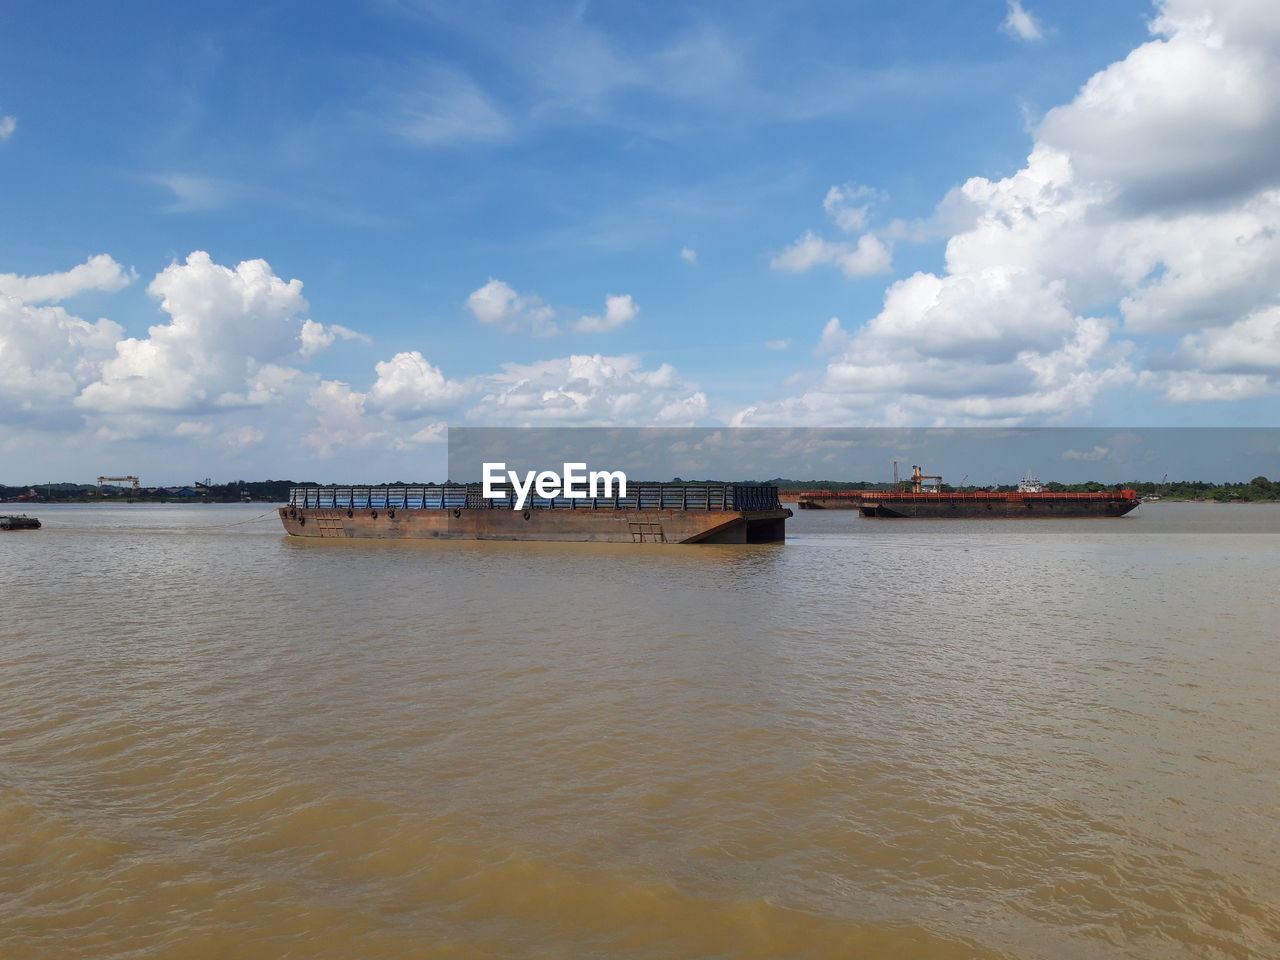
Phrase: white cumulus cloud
(408, 385)
(848, 205)
(496, 304)
(224, 326)
(1187, 119)
(1194, 386)
(618, 310)
(589, 390)
(340, 421)
(834, 338)
(869, 256)
(315, 337)
(47, 356)
(1148, 209)
(99, 272)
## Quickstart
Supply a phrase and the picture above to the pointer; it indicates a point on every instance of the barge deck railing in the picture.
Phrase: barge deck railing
(640, 496)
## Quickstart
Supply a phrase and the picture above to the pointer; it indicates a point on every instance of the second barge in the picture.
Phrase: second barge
(1031, 500)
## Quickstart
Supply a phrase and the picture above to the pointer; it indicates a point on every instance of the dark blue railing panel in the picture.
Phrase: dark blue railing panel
(640, 496)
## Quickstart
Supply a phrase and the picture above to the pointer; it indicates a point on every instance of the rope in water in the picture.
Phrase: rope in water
(199, 526)
(235, 523)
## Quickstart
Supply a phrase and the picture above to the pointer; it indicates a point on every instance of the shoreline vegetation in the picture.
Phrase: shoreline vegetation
(1258, 490)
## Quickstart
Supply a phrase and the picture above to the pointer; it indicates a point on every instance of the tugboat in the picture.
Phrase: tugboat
(11, 522)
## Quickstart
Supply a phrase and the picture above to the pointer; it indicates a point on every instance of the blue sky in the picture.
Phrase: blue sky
(290, 240)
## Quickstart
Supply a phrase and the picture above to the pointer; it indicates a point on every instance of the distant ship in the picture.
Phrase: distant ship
(650, 513)
(1030, 501)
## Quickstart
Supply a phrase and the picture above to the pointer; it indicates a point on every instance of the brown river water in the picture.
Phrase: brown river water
(900, 739)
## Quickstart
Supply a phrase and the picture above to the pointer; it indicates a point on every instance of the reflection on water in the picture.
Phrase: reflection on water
(918, 739)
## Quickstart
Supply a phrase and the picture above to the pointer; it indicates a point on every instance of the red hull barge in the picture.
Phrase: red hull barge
(891, 504)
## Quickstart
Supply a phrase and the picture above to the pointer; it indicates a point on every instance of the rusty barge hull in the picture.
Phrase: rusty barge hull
(623, 526)
(976, 505)
(657, 513)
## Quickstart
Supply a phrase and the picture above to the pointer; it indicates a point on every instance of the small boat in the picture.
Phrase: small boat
(11, 522)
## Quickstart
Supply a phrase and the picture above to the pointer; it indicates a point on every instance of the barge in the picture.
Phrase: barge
(1031, 500)
(11, 522)
(650, 513)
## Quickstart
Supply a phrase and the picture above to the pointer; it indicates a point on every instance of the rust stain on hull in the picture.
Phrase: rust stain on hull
(577, 526)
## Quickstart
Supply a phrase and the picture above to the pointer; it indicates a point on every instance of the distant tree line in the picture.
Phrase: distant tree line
(277, 491)
(1258, 489)
(237, 491)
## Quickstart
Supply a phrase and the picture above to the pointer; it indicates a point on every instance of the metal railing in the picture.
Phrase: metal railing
(977, 495)
(640, 496)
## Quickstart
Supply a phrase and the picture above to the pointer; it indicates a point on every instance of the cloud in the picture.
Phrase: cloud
(193, 193)
(272, 382)
(230, 351)
(1250, 345)
(1196, 387)
(869, 256)
(841, 204)
(688, 256)
(1021, 24)
(224, 326)
(436, 432)
(1188, 119)
(47, 356)
(670, 82)
(589, 390)
(241, 436)
(398, 413)
(340, 421)
(497, 305)
(777, 344)
(99, 272)
(316, 337)
(848, 206)
(409, 386)
(834, 339)
(1148, 208)
(193, 428)
(578, 71)
(1095, 455)
(449, 109)
(618, 310)
(8, 125)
